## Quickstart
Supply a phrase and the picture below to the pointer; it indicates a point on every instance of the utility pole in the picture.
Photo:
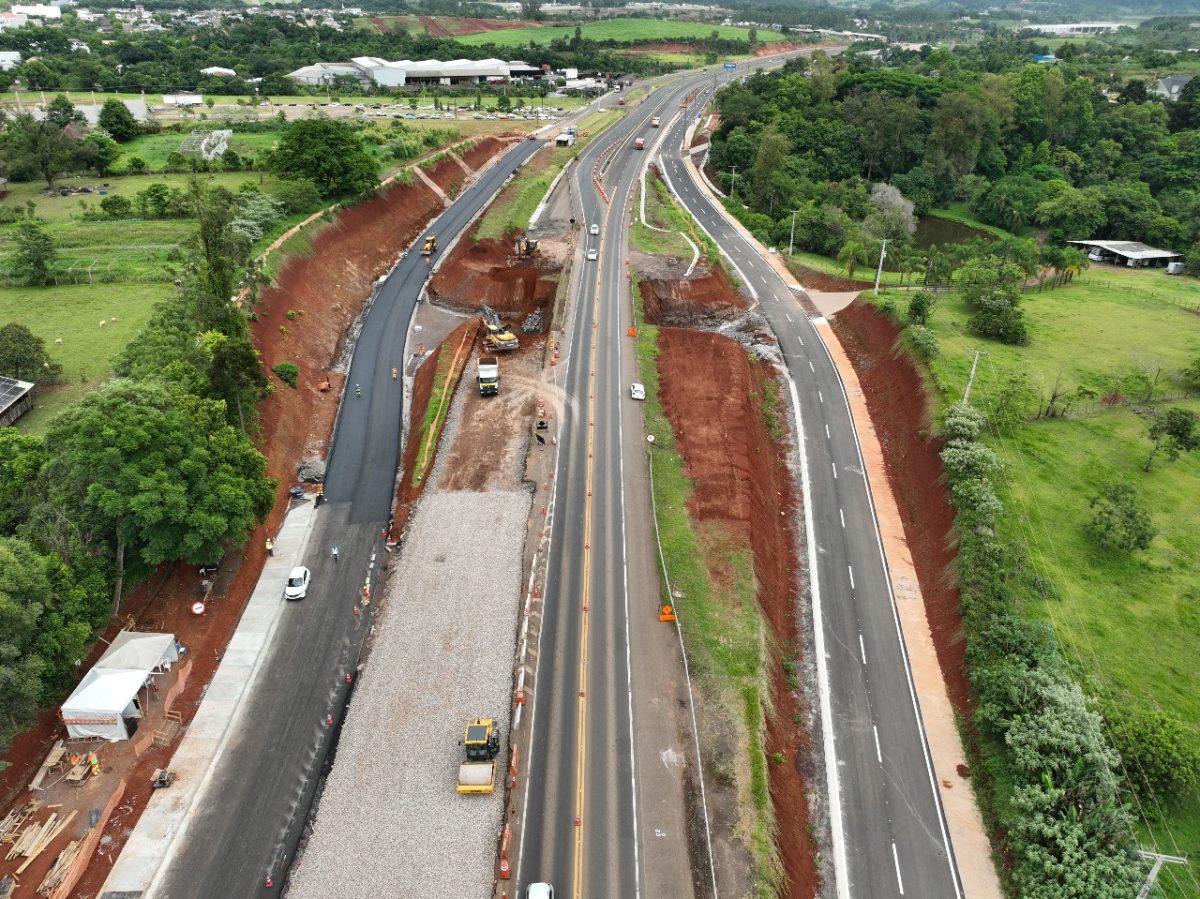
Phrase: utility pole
(879, 271)
(792, 236)
(971, 379)
(733, 183)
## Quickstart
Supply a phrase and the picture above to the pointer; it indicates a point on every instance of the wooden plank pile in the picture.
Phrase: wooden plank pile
(60, 869)
(13, 821)
(35, 838)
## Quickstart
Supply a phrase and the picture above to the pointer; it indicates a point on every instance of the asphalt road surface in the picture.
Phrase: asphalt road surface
(893, 835)
(262, 788)
(582, 830)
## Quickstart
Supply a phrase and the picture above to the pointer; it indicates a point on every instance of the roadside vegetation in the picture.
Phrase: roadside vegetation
(1073, 474)
(670, 223)
(615, 32)
(724, 633)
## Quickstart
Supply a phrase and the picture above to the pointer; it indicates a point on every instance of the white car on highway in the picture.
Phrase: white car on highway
(297, 583)
(593, 254)
(637, 391)
(595, 229)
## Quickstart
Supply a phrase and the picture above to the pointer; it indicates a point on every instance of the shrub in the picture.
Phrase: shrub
(962, 422)
(117, 207)
(136, 165)
(1118, 519)
(923, 342)
(297, 195)
(1160, 754)
(287, 372)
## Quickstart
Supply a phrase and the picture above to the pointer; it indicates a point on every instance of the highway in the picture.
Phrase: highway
(583, 827)
(255, 806)
(889, 830)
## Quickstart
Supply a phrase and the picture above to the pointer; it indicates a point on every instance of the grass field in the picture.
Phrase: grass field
(619, 30)
(86, 350)
(1104, 331)
(154, 148)
(1129, 622)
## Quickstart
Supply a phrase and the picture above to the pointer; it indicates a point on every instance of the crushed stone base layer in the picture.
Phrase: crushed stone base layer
(389, 822)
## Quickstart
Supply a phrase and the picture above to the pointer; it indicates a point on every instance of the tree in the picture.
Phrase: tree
(920, 307)
(853, 254)
(1118, 520)
(21, 460)
(35, 254)
(890, 131)
(892, 216)
(1173, 432)
(155, 475)
(1072, 214)
(117, 207)
(297, 196)
(1134, 91)
(326, 152)
(773, 149)
(1191, 375)
(118, 121)
(24, 593)
(38, 146)
(960, 122)
(99, 152)
(235, 372)
(136, 165)
(23, 356)
(62, 112)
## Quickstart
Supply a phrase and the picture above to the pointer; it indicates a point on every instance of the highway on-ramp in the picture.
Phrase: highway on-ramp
(254, 807)
(890, 835)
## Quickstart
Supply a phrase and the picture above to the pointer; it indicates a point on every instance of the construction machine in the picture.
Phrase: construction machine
(430, 246)
(489, 376)
(481, 744)
(526, 247)
(497, 336)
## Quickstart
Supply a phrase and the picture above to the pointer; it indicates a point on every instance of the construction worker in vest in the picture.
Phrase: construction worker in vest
(270, 547)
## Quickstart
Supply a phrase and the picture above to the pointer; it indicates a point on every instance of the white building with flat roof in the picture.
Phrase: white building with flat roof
(1075, 28)
(38, 10)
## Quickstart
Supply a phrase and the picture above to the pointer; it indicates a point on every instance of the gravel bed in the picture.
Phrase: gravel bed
(390, 822)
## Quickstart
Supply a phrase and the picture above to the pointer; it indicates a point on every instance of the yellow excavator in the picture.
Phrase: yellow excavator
(497, 336)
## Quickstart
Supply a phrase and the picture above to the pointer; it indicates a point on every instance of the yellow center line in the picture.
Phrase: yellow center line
(581, 742)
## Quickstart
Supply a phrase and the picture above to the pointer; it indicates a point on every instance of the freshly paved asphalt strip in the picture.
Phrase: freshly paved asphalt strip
(892, 830)
(248, 817)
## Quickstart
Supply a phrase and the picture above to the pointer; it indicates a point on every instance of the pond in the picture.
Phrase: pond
(938, 231)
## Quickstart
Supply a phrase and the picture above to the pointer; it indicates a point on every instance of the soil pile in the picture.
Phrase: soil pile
(810, 277)
(709, 390)
(708, 300)
(486, 272)
(897, 401)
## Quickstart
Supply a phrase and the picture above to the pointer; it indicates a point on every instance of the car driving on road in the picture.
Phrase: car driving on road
(297, 583)
(595, 229)
(593, 254)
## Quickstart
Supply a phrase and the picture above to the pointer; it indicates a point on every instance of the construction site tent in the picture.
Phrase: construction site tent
(102, 702)
(136, 651)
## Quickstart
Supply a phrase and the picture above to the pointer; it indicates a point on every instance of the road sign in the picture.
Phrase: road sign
(730, 66)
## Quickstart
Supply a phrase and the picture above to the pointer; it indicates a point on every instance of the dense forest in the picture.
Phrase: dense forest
(1025, 146)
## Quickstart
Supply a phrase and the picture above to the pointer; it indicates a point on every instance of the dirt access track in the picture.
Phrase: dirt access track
(325, 292)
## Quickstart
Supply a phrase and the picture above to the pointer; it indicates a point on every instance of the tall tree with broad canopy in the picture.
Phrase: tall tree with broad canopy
(156, 475)
(328, 153)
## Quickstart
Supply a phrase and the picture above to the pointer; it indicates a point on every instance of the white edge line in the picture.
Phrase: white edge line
(896, 859)
(831, 773)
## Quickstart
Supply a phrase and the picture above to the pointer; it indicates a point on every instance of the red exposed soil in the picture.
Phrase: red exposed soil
(433, 26)
(743, 485)
(896, 398)
(326, 291)
(810, 277)
(483, 150)
(485, 272)
(448, 175)
(452, 26)
(775, 47)
(708, 298)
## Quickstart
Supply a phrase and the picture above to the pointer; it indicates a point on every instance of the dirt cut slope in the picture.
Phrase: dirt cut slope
(708, 299)
(743, 484)
(899, 409)
(486, 272)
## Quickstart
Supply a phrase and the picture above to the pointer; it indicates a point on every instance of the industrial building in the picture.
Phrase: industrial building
(404, 72)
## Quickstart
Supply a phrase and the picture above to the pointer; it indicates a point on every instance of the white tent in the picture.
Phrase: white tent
(101, 703)
(106, 696)
(138, 651)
